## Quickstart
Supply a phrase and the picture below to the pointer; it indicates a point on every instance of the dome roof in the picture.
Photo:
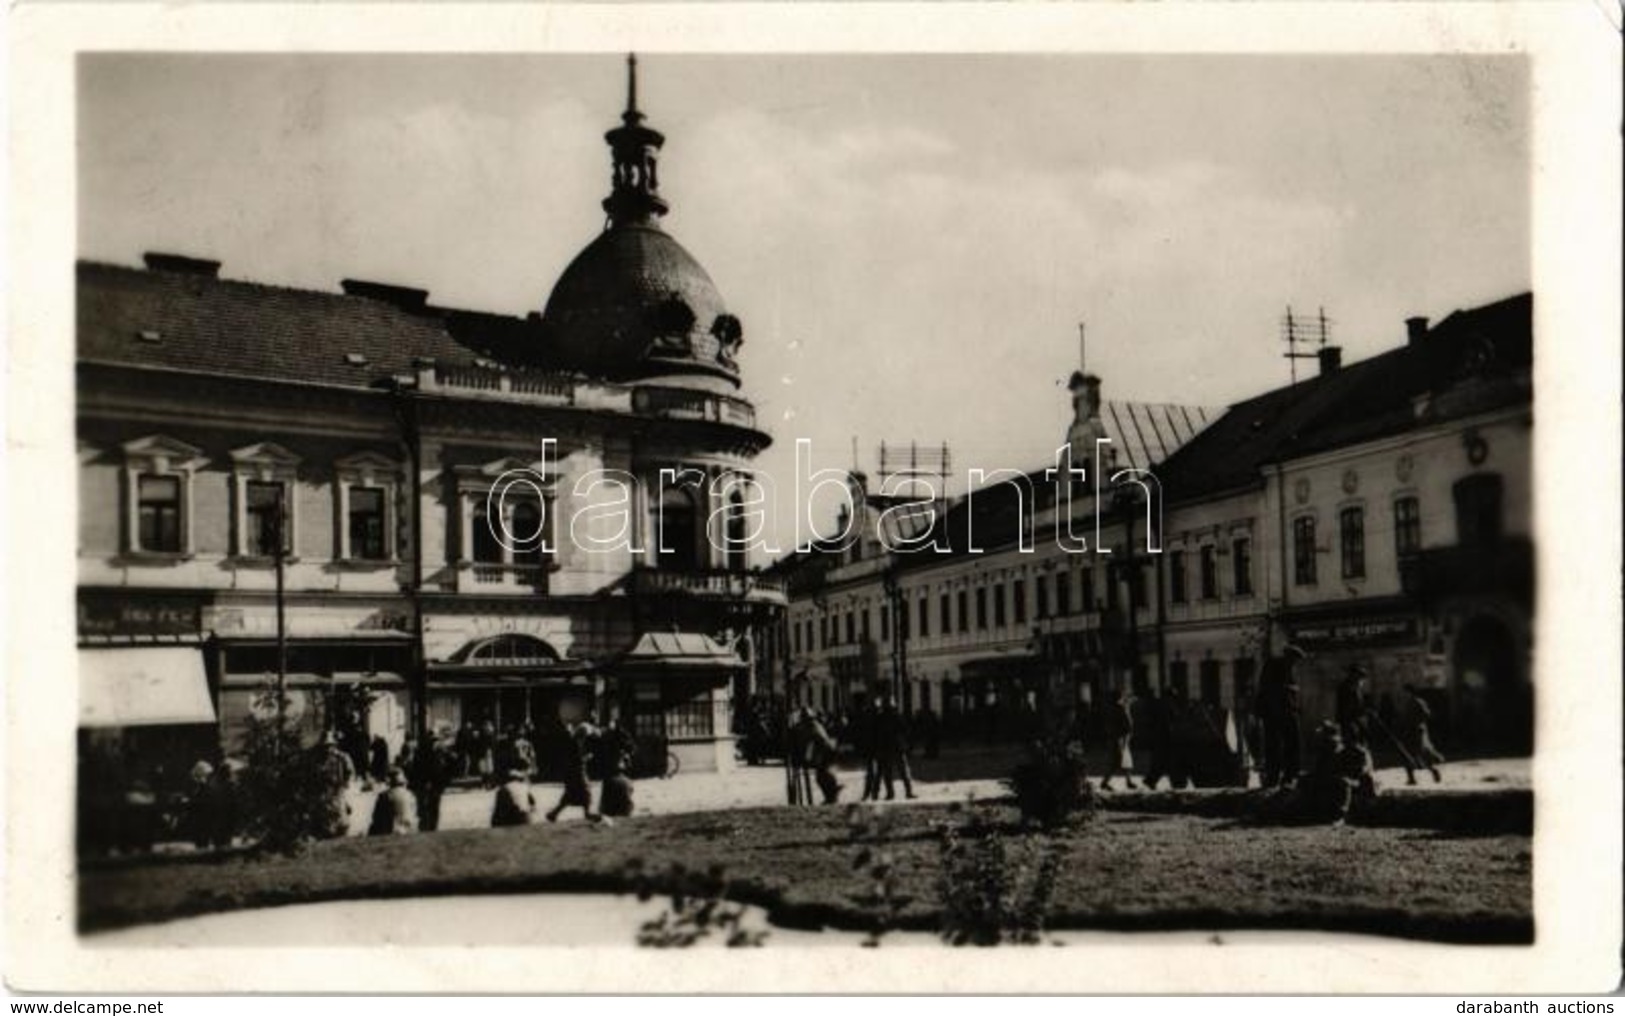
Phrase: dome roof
(635, 304)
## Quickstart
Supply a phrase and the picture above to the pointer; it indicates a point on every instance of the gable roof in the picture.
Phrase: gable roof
(192, 322)
(1358, 402)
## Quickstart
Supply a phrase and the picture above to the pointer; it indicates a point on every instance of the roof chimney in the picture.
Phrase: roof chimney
(1416, 329)
(1331, 358)
(180, 264)
(404, 297)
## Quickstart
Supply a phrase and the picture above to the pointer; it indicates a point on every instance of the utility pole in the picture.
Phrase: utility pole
(279, 557)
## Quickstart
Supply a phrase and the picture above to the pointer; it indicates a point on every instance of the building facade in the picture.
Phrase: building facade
(420, 518)
(1377, 514)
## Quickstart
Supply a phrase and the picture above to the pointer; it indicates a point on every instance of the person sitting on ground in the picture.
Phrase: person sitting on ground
(395, 813)
(515, 804)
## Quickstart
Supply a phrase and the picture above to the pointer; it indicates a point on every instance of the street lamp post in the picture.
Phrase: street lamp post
(279, 557)
(899, 626)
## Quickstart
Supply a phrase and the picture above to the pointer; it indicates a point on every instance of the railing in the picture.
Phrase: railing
(486, 382)
(710, 585)
(489, 577)
(683, 404)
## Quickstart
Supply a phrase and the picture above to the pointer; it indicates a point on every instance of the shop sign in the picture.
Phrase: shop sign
(1362, 632)
(140, 615)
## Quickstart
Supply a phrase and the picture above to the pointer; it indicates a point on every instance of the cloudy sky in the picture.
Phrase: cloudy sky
(910, 241)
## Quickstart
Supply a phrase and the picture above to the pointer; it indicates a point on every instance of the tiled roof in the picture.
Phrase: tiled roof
(1357, 402)
(194, 322)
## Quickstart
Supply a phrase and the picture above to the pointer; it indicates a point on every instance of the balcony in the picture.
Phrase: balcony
(684, 404)
(751, 587)
(481, 577)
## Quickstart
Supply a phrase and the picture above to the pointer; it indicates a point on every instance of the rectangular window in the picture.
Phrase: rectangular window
(945, 615)
(1179, 677)
(885, 623)
(998, 605)
(1136, 585)
(1241, 562)
(158, 514)
(964, 612)
(981, 608)
(1351, 525)
(1244, 669)
(1113, 596)
(1207, 675)
(1176, 576)
(823, 633)
(1478, 510)
(863, 625)
(367, 524)
(1210, 572)
(1041, 596)
(1063, 594)
(1018, 593)
(1088, 590)
(795, 634)
(1407, 527)
(1303, 551)
(925, 616)
(851, 627)
(266, 517)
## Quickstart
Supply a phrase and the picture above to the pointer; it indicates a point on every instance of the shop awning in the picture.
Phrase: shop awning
(143, 687)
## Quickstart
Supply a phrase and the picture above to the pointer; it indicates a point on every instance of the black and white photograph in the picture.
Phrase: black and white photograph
(747, 500)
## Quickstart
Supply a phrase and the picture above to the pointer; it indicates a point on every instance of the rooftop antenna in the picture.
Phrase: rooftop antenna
(1309, 333)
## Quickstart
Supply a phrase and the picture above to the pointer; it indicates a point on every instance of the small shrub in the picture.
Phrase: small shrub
(1050, 787)
(699, 906)
(993, 889)
(870, 830)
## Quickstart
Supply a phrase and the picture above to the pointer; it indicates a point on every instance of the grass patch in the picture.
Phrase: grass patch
(1119, 871)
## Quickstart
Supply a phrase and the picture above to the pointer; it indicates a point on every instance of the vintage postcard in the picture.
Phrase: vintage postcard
(737, 498)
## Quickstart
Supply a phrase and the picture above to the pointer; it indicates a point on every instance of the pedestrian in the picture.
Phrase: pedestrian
(485, 749)
(337, 773)
(814, 749)
(1119, 732)
(866, 741)
(395, 812)
(615, 750)
(891, 749)
(523, 750)
(463, 749)
(1419, 737)
(515, 804)
(378, 760)
(1162, 716)
(430, 773)
(576, 755)
(1277, 709)
(198, 818)
(1353, 706)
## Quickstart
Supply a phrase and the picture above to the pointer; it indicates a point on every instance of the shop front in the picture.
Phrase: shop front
(1391, 639)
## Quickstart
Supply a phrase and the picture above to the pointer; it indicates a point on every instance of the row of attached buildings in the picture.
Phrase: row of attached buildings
(1377, 514)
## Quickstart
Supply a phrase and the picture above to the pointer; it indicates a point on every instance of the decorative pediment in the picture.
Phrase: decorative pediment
(509, 466)
(368, 466)
(162, 453)
(265, 453)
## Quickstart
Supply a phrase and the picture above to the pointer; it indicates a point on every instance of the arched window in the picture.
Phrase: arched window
(737, 537)
(508, 648)
(678, 527)
(487, 535)
(527, 533)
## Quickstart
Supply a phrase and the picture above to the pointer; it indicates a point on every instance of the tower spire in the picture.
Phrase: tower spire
(634, 197)
(632, 116)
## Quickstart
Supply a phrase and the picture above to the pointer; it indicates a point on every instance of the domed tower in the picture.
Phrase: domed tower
(634, 305)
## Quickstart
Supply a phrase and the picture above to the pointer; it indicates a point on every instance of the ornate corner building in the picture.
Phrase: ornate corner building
(474, 517)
